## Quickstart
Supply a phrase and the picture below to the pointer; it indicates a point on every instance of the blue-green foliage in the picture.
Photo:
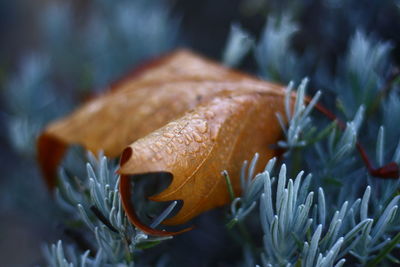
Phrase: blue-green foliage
(115, 238)
(362, 73)
(289, 213)
(113, 38)
(344, 221)
(239, 43)
(276, 61)
(337, 215)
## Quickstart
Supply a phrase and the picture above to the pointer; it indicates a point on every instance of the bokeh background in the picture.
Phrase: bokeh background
(56, 54)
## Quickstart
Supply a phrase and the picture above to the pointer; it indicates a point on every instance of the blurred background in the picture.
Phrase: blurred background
(55, 54)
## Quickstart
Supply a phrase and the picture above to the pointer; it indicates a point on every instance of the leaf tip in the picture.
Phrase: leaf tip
(130, 211)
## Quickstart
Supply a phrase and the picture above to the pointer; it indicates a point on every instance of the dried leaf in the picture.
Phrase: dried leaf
(181, 114)
(195, 148)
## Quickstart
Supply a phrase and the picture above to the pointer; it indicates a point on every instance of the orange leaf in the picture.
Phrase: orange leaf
(195, 148)
(182, 114)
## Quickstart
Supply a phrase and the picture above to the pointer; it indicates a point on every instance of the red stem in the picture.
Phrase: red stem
(388, 171)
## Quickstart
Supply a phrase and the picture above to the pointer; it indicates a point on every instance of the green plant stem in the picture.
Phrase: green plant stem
(384, 252)
(229, 185)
